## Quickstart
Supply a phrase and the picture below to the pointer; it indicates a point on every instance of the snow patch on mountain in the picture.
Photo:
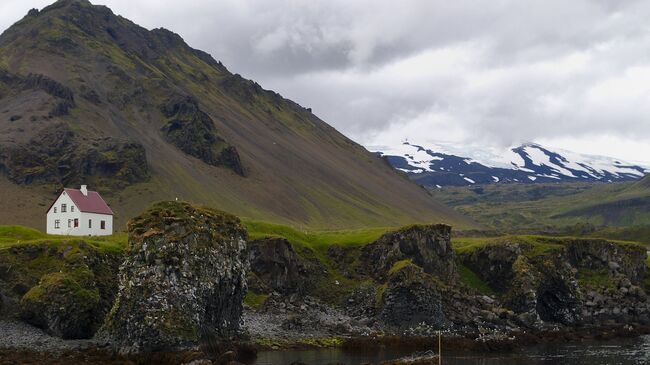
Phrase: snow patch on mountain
(441, 164)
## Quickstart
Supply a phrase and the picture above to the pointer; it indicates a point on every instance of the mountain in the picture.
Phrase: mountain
(87, 96)
(444, 165)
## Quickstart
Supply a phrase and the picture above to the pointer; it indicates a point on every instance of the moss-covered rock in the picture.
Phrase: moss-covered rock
(183, 279)
(66, 287)
(426, 246)
(565, 284)
(65, 304)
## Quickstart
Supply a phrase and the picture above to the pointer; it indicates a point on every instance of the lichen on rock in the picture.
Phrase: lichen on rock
(182, 281)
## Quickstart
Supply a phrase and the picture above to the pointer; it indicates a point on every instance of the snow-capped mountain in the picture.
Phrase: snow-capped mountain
(444, 165)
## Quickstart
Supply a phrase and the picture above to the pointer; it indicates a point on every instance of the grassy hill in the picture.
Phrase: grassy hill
(617, 211)
(87, 96)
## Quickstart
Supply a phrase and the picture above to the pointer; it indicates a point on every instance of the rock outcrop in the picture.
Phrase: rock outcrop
(410, 297)
(57, 155)
(570, 281)
(64, 288)
(276, 263)
(427, 246)
(193, 132)
(182, 281)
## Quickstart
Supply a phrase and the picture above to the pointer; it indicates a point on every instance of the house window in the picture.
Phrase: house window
(102, 224)
(57, 224)
(63, 208)
(72, 208)
(90, 223)
(69, 223)
(76, 222)
(54, 209)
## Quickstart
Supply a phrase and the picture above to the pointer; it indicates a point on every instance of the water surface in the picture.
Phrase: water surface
(635, 351)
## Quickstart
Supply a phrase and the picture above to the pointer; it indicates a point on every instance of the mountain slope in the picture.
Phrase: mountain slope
(88, 96)
(631, 206)
(444, 165)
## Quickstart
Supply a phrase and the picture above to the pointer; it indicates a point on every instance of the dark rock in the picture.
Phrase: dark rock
(184, 279)
(67, 294)
(411, 297)
(426, 246)
(64, 304)
(58, 155)
(596, 254)
(193, 132)
(275, 262)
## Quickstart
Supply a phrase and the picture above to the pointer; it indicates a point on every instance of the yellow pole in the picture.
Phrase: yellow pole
(439, 348)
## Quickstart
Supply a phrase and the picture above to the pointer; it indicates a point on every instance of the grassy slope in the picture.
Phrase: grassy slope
(301, 171)
(559, 208)
(18, 235)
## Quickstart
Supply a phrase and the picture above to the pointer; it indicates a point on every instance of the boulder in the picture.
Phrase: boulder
(182, 281)
(427, 246)
(64, 304)
(66, 287)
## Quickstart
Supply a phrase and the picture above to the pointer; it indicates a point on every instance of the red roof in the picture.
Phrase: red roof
(91, 203)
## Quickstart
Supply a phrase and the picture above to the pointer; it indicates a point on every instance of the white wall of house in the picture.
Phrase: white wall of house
(66, 219)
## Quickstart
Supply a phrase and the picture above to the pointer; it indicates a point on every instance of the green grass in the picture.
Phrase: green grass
(316, 240)
(594, 278)
(469, 278)
(399, 265)
(255, 301)
(13, 234)
(18, 235)
(536, 245)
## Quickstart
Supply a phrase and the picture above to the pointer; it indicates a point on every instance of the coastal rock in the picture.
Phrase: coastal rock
(543, 286)
(410, 297)
(276, 263)
(595, 254)
(67, 293)
(183, 280)
(426, 246)
(64, 304)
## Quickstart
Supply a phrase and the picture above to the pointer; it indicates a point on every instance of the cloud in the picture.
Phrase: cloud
(497, 72)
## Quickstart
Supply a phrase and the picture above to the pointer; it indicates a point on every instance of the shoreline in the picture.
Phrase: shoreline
(91, 351)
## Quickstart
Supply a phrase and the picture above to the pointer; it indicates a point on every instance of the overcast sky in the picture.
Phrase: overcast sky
(569, 74)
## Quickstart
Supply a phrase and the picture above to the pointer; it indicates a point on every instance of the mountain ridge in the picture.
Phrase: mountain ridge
(443, 165)
(207, 135)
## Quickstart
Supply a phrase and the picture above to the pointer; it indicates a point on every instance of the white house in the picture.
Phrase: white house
(80, 212)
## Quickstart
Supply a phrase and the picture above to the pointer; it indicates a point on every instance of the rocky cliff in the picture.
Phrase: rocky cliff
(183, 280)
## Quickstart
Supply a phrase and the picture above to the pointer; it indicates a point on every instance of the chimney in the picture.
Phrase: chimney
(84, 190)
